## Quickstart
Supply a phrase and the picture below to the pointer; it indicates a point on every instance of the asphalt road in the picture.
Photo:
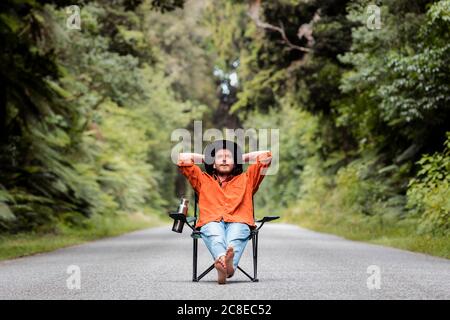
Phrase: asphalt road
(294, 263)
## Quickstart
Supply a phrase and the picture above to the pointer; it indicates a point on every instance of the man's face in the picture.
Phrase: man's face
(223, 161)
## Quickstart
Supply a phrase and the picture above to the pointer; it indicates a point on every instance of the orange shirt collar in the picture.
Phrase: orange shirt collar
(226, 179)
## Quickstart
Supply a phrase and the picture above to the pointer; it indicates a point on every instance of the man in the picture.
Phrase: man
(225, 196)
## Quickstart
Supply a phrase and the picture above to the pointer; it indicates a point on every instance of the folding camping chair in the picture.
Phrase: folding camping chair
(196, 234)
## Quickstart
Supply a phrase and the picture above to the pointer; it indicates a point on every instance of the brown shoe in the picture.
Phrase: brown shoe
(221, 267)
(229, 261)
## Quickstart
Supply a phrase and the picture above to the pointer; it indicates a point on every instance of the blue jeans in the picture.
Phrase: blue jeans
(219, 235)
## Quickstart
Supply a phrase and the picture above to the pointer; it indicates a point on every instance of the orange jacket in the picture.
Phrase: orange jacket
(233, 200)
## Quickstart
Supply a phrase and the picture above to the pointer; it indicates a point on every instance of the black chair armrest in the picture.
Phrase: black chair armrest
(177, 216)
(191, 219)
(264, 220)
(267, 219)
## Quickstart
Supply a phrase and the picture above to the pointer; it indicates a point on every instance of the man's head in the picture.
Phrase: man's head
(223, 162)
(223, 157)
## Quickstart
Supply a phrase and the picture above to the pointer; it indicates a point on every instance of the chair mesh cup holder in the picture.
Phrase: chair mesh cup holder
(179, 215)
(180, 218)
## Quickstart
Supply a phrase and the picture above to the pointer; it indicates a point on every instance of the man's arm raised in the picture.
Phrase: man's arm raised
(256, 171)
(266, 156)
(186, 165)
(190, 158)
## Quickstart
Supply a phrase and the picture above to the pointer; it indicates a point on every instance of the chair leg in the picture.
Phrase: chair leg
(243, 271)
(205, 272)
(255, 257)
(255, 261)
(194, 269)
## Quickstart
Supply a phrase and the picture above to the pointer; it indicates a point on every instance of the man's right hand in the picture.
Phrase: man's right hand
(189, 158)
(265, 156)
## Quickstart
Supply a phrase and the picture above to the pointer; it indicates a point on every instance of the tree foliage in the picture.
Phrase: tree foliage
(86, 114)
(363, 113)
(370, 101)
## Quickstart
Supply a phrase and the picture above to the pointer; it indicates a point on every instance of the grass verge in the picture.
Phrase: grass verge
(377, 230)
(24, 244)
